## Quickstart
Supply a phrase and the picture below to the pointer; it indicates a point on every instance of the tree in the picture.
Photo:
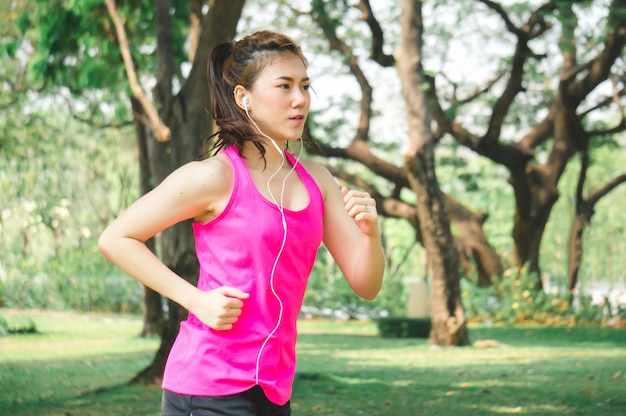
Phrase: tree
(518, 93)
(184, 127)
(562, 131)
(448, 321)
(430, 214)
(471, 243)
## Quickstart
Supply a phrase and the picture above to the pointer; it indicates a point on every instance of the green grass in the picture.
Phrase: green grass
(72, 364)
(79, 365)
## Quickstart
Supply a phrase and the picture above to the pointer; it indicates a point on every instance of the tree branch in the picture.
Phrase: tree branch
(600, 65)
(195, 27)
(613, 130)
(513, 87)
(335, 43)
(496, 7)
(164, 53)
(596, 194)
(161, 131)
(606, 101)
(378, 39)
(358, 151)
(476, 93)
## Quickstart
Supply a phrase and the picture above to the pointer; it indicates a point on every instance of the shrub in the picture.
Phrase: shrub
(16, 324)
(401, 327)
(512, 299)
(26, 289)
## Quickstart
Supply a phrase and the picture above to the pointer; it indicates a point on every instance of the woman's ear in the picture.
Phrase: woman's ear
(239, 93)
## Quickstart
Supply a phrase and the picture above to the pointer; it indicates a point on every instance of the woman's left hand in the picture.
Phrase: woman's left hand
(362, 208)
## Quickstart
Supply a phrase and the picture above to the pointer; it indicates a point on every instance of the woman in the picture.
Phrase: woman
(260, 215)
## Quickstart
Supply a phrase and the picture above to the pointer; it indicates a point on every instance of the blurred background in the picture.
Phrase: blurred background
(523, 103)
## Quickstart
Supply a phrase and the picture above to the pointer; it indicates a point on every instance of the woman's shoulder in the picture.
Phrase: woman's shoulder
(320, 174)
(202, 186)
(211, 174)
(314, 167)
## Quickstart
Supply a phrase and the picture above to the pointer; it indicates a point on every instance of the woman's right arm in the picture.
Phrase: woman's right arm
(192, 191)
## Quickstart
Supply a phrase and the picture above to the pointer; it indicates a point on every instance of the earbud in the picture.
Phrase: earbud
(244, 101)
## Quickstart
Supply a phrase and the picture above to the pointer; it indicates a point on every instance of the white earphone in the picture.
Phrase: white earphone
(244, 101)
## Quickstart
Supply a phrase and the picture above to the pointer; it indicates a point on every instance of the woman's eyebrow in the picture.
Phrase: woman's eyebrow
(290, 79)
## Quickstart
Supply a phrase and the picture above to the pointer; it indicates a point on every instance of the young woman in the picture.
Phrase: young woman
(260, 215)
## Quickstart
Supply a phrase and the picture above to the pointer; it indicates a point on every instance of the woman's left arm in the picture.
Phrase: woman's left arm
(352, 235)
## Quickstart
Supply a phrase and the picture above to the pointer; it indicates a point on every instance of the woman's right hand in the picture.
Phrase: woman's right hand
(220, 308)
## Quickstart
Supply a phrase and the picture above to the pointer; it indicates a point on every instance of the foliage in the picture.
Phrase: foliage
(77, 47)
(514, 300)
(79, 364)
(397, 327)
(71, 48)
(60, 183)
(11, 323)
(328, 294)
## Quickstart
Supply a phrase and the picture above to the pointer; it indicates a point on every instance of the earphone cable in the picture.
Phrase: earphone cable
(281, 209)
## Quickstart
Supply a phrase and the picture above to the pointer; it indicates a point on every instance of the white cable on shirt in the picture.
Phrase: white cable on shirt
(281, 209)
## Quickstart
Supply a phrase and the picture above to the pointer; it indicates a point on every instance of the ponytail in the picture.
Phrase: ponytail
(218, 88)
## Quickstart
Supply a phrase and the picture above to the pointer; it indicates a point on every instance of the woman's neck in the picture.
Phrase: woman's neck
(273, 159)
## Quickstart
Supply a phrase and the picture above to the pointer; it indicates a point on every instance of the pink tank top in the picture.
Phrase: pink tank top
(238, 249)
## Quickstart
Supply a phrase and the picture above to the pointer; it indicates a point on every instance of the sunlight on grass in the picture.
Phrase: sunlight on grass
(506, 410)
(70, 356)
(89, 335)
(534, 372)
(80, 365)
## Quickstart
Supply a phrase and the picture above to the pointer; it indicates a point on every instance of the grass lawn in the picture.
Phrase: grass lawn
(80, 364)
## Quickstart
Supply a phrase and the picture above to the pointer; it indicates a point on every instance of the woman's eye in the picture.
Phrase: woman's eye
(284, 86)
(306, 87)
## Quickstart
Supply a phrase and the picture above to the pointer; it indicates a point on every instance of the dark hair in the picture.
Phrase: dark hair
(240, 63)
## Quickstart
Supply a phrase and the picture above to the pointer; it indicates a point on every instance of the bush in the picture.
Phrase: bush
(513, 300)
(401, 327)
(16, 324)
(24, 290)
(95, 293)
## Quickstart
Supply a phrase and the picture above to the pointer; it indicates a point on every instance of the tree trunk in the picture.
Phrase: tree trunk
(575, 252)
(582, 217)
(472, 243)
(190, 124)
(585, 209)
(449, 327)
(535, 195)
(152, 308)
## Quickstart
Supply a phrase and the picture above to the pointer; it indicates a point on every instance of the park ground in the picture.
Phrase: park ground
(80, 364)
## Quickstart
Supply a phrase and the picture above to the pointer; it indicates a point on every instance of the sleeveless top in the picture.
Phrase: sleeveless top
(239, 248)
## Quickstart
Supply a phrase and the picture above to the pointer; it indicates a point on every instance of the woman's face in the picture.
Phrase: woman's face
(279, 100)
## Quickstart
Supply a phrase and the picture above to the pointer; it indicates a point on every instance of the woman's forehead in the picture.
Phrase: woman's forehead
(285, 66)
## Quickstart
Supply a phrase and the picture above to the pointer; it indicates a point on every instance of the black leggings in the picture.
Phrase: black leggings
(251, 402)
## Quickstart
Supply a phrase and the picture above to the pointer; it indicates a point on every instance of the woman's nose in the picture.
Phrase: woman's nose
(300, 98)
